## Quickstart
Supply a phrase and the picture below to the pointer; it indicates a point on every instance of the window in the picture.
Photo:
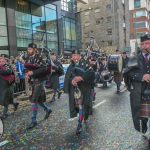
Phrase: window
(108, 7)
(68, 5)
(109, 19)
(98, 21)
(109, 31)
(139, 34)
(69, 33)
(22, 6)
(109, 43)
(97, 10)
(140, 13)
(137, 3)
(140, 24)
(3, 26)
(39, 26)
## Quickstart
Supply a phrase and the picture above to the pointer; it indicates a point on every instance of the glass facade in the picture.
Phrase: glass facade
(68, 5)
(36, 24)
(69, 33)
(3, 29)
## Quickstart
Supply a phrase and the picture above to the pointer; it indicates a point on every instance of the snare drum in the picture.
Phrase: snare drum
(115, 63)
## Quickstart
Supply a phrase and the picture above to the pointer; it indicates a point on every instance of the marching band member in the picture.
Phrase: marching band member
(37, 74)
(7, 78)
(118, 76)
(138, 81)
(78, 86)
(57, 71)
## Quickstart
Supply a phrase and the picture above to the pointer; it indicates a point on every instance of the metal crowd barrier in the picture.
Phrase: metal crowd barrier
(20, 87)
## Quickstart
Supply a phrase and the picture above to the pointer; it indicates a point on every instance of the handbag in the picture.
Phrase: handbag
(146, 92)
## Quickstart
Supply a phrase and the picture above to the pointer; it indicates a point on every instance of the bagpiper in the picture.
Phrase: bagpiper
(37, 71)
(78, 85)
(137, 75)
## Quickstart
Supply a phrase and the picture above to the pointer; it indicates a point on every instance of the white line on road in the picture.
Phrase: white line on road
(97, 105)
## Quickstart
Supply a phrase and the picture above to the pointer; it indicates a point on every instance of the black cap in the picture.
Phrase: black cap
(145, 37)
(117, 50)
(124, 52)
(32, 45)
(75, 52)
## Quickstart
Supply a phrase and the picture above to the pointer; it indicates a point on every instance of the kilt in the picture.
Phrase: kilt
(117, 77)
(38, 92)
(145, 109)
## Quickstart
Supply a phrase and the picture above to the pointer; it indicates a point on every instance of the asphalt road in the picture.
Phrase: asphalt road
(109, 128)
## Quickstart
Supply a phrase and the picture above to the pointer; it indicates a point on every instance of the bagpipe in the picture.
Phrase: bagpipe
(9, 78)
(40, 61)
(87, 75)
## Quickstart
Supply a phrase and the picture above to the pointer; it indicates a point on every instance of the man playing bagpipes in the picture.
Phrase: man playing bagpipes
(38, 69)
(137, 77)
(7, 78)
(78, 85)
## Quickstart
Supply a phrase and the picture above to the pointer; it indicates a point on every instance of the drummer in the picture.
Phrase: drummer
(118, 75)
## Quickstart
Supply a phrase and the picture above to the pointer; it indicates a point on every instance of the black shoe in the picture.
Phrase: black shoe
(118, 91)
(59, 94)
(16, 106)
(79, 129)
(53, 99)
(48, 112)
(32, 125)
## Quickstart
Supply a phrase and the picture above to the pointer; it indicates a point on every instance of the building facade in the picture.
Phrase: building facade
(48, 23)
(107, 21)
(139, 21)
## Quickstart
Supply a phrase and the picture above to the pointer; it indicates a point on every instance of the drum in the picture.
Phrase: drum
(115, 63)
(106, 76)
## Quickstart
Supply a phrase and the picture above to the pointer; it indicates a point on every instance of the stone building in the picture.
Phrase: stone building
(139, 21)
(107, 21)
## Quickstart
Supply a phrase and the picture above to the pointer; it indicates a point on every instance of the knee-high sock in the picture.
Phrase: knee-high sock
(34, 112)
(81, 116)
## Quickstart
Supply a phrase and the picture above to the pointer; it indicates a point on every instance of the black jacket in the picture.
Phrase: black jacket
(134, 75)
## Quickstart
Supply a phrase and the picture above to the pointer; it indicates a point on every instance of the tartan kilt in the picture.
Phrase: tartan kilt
(118, 77)
(38, 92)
(145, 109)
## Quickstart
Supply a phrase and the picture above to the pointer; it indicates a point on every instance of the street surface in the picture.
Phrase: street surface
(110, 127)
